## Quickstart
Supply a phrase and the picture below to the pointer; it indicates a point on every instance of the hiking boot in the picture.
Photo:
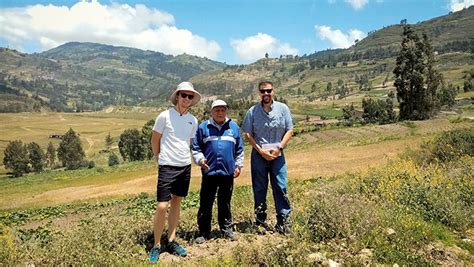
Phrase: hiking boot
(283, 229)
(154, 254)
(263, 228)
(175, 249)
(230, 235)
(200, 240)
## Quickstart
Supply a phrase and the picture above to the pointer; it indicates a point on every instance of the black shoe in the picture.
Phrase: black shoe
(200, 240)
(229, 234)
(283, 229)
(263, 228)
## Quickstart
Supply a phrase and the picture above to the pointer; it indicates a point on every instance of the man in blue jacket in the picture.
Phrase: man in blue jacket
(218, 148)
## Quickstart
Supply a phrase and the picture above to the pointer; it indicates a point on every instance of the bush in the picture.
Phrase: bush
(8, 251)
(450, 145)
(113, 159)
(438, 193)
(90, 164)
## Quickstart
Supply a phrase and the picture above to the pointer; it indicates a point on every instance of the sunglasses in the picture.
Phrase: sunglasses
(184, 95)
(268, 91)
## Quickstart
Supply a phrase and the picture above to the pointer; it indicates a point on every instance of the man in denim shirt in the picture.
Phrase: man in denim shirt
(268, 127)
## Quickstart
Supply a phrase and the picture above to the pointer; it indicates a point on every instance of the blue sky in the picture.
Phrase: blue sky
(231, 31)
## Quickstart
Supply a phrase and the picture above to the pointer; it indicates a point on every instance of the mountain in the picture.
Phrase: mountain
(370, 61)
(89, 76)
(449, 33)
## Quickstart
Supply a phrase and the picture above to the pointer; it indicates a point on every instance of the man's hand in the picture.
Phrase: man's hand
(275, 152)
(236, 172)
(268, 155)
(204, 165)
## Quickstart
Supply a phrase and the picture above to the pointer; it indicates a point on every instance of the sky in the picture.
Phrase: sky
(230, 31)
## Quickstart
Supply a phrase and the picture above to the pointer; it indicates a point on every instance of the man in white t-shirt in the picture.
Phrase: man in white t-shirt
(172, 135)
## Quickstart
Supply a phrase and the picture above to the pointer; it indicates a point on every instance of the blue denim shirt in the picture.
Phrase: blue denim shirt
(269, 127)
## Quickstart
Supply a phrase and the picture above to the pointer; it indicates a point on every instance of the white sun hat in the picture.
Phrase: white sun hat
(188, 87)
(219, 103)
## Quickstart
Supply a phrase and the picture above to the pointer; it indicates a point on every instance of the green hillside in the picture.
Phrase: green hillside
(87, 76)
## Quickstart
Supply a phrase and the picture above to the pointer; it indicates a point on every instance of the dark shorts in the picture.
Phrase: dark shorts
(172, 180)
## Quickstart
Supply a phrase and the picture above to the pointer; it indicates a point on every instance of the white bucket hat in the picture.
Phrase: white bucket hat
(219, 103)
(186, 86)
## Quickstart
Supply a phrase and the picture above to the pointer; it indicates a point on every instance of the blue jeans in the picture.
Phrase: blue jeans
(276, 171)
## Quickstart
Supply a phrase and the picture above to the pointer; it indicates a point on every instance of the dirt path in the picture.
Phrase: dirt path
(311, 162)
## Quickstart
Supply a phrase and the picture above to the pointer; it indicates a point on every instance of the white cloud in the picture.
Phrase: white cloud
(254, 47)
(337, 38)
(90, 21)
(357, 4)
(456, 5)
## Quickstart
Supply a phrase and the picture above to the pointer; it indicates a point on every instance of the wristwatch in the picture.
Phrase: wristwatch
(280, 148)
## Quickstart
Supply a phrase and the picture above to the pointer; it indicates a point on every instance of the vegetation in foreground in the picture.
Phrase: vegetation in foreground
(417, 210)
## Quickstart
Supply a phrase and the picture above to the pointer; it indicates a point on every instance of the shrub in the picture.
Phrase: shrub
(450, 145)
(437, 193)
(113, 159)
(8, 251)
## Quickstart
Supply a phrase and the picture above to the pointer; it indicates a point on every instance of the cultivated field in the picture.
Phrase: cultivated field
(322, 153)
(92, 127)
(354, 202)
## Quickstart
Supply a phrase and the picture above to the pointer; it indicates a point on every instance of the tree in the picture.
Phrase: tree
(131, 145)
(70, 151)
(378, 111)
(416, 78)
(447, 96)
(108, 142)
(50, 155)
(36, 157)
(348, 113)
(16, 158)
(146, 137)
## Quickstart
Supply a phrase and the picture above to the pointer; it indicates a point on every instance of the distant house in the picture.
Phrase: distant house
(57, 136)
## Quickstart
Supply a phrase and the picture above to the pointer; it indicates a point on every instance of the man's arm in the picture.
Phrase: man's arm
(155, 143)
(286, 138)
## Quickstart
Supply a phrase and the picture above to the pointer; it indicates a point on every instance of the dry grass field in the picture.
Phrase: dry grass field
(323, 153)
(92, 127)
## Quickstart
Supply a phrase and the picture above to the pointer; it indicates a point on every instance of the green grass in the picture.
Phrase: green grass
(21, 191)
(307, 109)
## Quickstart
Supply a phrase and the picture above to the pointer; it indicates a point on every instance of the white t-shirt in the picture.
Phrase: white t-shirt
(176, 133)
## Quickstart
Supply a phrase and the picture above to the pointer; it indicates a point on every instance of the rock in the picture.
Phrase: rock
(316, 257)
(365, 256)
(331, 263)
(390, 231)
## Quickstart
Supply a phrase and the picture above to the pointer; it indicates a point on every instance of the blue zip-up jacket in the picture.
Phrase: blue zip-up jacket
(221, 146)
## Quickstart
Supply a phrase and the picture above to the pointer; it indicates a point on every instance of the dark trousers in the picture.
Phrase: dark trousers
(264, 171)
(222, 185)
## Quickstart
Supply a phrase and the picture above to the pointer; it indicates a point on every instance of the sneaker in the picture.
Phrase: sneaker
(154, 254)
(200, 240)
(175, 249)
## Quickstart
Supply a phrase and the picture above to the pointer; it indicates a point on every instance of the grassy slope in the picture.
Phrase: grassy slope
(314, 154)
(350, 218)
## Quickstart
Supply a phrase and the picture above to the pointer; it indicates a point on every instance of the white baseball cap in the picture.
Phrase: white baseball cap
(219, 103)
